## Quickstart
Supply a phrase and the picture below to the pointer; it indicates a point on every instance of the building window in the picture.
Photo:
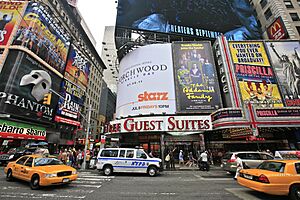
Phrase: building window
(298, 2)
(298, 29)
(288, 4)
(263, 3)
(268, 13)
(294, 16)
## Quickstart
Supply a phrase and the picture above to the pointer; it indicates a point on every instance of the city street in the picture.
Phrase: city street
(185, 184)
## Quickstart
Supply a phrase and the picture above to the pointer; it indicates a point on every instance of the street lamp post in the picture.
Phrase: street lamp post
(87, 134)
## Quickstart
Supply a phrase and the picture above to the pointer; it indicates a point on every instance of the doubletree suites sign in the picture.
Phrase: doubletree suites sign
(16, 130)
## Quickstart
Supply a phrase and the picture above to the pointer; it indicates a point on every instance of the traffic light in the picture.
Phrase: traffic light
(47, 98)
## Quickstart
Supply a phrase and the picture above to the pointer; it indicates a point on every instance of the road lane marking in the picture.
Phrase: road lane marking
(93, 179)
(88, 186)
(39, 196)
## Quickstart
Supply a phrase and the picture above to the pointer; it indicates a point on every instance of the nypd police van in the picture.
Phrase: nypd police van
(132, 160)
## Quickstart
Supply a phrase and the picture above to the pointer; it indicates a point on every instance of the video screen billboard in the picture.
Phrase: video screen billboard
(10, 13)
(40, 33)
(24, 83)
(205, 19)
(285, 60)
(197, 87)
(255, 75)
(146, 83)
(78, 68)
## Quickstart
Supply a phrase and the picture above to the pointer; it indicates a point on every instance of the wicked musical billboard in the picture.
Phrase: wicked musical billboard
(255, 75)
(235, 19)
(24, 84)
(10, 13)
(197, 88)
(286, 64)
(77, 68)
(40, 33)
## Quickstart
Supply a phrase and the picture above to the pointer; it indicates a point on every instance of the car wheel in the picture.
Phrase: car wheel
(9, 176)
(35, 182)
(152, 171)
(295, 192)
(107, 170)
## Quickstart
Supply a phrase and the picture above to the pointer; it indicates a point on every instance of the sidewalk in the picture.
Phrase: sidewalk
(193, 168)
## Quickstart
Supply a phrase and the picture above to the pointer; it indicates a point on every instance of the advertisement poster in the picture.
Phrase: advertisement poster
(255, 75)
(24, 83)
(235, 19)
(78, 68)
(41, 33)
(146, 82)
(197, 87)
(277, 30)
(10, 13)
(73, 100)
(286, 64)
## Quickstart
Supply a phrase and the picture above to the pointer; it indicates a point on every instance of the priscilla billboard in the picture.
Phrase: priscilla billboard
(146, 83)
(255, 75)
(197, 88)
(233, 18)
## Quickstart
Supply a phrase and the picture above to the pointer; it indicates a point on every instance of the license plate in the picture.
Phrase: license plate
(66, 180)
(248, 176)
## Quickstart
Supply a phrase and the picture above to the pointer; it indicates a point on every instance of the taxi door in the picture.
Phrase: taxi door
(18, 167)
(26, 169)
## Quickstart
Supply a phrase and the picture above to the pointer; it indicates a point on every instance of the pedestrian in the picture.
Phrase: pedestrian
(204, 161)
(79, 158)
(167, 160)
(172, 159)
(239, 166)
(64, 156)
(180, 158)
(191, 160)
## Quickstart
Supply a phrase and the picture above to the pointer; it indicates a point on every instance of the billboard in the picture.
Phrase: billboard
(286, 64)
(256, 78)
(40, 33)
(10, 13)
(78, 68)
(277, 30)
(24, 83)
(197, 88)
(146, 83)
(235, 18)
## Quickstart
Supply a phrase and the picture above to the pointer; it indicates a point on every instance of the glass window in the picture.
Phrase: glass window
(29, 162)
(272, 166)
(268, 14)
(288, 4)
(130, 154)
(298, 28)
(253, 156)
(263, 3)
(22, 160)
(266, 157)
(122, 153)
(109, 153)
(294, 16)
(242, 155)
(47, 161)
(140, 154)
(297, 166)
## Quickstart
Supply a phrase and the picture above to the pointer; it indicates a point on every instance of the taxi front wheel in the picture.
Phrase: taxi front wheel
(295, 192)
(152, 171)
(35, 182)
(9, 176)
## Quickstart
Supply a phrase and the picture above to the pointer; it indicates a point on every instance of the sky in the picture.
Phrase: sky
(97, 14)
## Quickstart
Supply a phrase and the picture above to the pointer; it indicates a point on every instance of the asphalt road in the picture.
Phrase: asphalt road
(188, 185)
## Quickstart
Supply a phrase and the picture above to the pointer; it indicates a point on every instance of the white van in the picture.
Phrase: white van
(111, 160)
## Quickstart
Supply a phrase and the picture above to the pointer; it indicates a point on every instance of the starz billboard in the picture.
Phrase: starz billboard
(24, 83)
(203, 19)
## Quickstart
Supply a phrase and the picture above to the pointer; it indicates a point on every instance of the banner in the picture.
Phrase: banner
(225, 114)
(78, 68)
(146, 82)
(255, 76)
(277, 30)
(271, 113)
(24, 84)
(40, 32)
(197, 88)
(10, 13)
(286, 63)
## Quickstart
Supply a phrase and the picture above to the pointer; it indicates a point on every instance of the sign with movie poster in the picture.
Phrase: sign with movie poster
(285, 60)
(256, 78)
(10, 13)
(197, 87)
(202, 19)
(277, 30)
(24, 83)
(40, 32)
(78, 68)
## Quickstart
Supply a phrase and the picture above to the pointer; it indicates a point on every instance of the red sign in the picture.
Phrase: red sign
(277, 30)
(67, 121)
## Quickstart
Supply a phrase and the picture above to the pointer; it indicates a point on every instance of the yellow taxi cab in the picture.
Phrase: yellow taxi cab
(275, 177)
(40, 171)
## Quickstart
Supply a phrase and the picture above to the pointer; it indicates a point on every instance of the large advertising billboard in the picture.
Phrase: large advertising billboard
(24, 83)
(10, 13)
(78, 68)
(40, 33)
(146, 83)
(197, 87)
(204, 19)
(286, 63)
(256, 78)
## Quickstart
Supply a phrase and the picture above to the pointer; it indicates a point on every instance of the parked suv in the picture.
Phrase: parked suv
(132, 160)
(250, 159)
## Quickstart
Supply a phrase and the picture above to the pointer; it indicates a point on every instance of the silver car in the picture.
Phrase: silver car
(251, 159)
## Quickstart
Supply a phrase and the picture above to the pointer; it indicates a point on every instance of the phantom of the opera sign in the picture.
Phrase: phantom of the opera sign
(255, 75)
(159, 124)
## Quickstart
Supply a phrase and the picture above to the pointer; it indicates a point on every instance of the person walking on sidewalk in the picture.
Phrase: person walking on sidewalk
(172, 159)
(204, 161)
(180, 158)
(239, 166)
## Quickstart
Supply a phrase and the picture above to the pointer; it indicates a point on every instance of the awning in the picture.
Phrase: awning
(6, 135)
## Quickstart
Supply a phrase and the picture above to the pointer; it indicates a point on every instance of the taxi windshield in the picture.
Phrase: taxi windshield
(47, 161)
